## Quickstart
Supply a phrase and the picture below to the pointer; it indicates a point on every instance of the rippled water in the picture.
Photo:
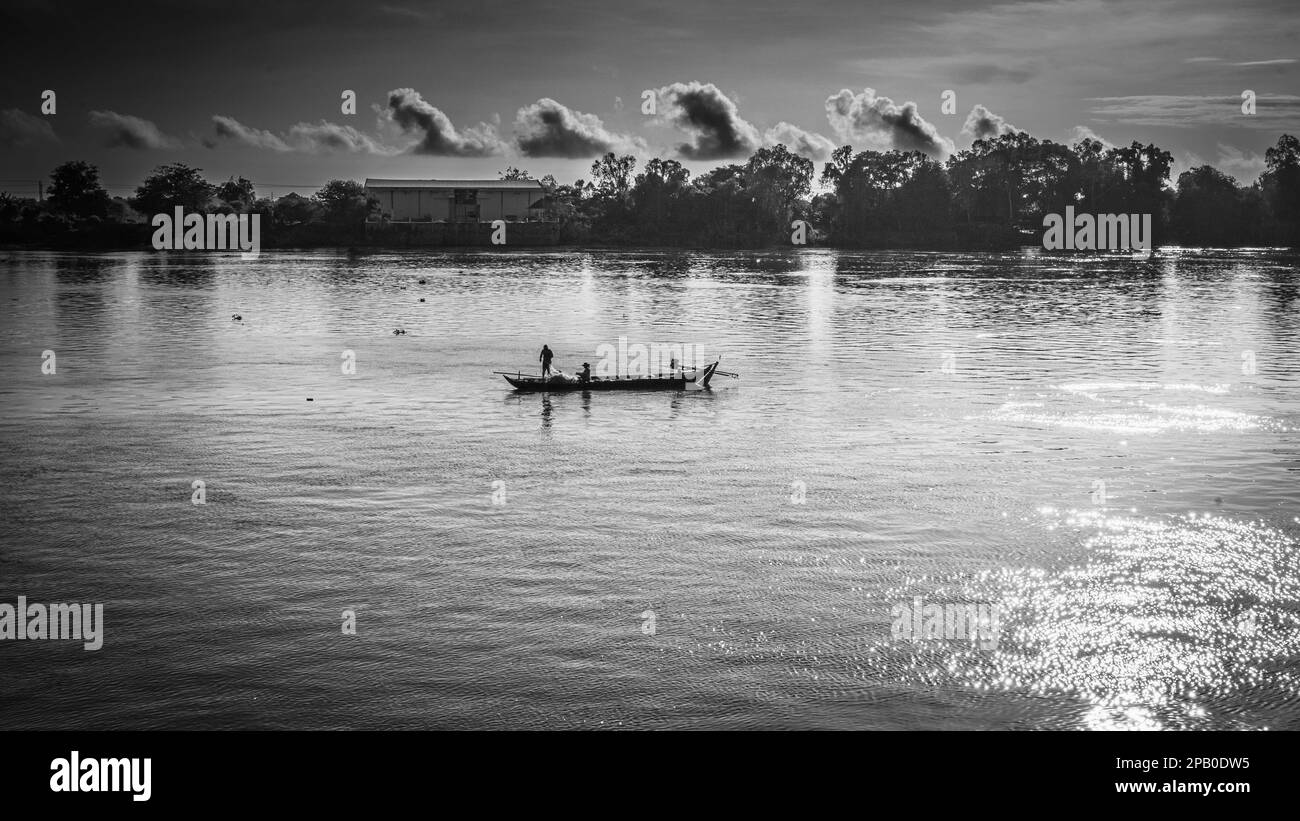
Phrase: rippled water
(1078, 441)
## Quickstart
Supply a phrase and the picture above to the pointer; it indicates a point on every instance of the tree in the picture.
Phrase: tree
(237, 193)
(922, 203)
(512, 173)
(834, 171)
(889, 197)
(293, 208)
(1143, 171)
(9, 207)
(1206, 207)
(611, 175)
(344, 202)
(656, 195)
(1094, 174)
(719, 207)
(75, 191)
(1280, 184)
(777, 179)
(172, 185)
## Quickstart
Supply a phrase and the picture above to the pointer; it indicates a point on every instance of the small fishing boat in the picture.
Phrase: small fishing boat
(686, 379)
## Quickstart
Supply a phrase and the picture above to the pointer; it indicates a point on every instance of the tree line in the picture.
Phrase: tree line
(991, 195)
(994, 194)
(78, 211)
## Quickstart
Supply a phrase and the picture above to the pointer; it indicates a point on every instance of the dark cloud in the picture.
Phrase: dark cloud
(18, 129)
(710, 118)
(882, 124)
(548, 129)
(982, 124)
(126, 131)
(438, 137)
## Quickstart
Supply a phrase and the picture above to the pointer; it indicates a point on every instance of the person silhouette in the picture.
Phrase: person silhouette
(545, 357)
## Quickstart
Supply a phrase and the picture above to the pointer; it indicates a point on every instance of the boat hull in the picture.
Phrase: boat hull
(527, 384)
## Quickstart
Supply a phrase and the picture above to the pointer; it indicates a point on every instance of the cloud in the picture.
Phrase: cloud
(406, 13)
(1273, 112)
(882, 124)
(548, 129)
(982, 124)
(126, 131)
(1244, 165)
(993, 73)
(1281, 61)
(230, 130)
(18, 129)
(1082, 132)
(709, 118)
(438, 137)
(804, 143)
(327, 136)
(307, 138)
(1186, 162)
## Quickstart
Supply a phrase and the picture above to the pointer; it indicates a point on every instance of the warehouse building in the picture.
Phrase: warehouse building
(458, 200)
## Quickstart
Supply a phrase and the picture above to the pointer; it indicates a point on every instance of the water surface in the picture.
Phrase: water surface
(1079, 440)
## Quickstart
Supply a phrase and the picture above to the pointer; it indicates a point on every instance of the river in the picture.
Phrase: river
(1105, 449)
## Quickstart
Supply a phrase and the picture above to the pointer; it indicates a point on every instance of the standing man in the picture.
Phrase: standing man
(545, 357)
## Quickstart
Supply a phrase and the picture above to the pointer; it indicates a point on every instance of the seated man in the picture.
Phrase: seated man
(585, 376)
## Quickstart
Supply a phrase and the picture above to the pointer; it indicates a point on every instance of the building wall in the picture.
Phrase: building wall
(437, 203)
(524, 234)
(506, 205)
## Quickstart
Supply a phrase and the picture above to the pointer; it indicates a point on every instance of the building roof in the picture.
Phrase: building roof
(510, 185)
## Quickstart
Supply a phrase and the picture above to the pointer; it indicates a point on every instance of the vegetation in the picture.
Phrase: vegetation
(993, 194)
(75, 191)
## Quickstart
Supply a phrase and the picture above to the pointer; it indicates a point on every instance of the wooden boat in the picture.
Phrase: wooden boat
(682, 380)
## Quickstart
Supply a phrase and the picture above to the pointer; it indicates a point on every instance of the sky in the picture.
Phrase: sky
(463, 90)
